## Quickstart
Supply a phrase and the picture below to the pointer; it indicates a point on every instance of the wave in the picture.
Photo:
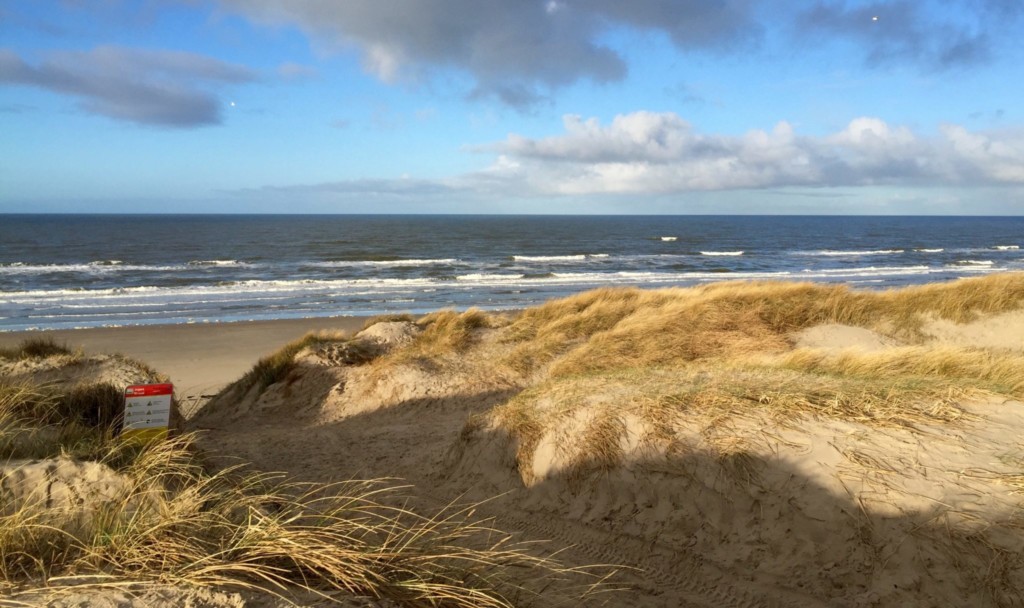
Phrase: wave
(1007, 247)
(722, 253)
(867, 270)
(974, 263)
(669, 239)
(90, 268)
(549, 258)
(109, 266)
(488, 277)
(265, 288)
(832, 253)
(219, 263)
(939, 250)
(381, 263)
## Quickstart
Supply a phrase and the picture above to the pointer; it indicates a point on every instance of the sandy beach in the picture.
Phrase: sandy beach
(199, 358)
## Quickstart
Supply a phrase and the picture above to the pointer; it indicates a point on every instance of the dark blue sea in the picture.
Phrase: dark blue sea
(65, 271)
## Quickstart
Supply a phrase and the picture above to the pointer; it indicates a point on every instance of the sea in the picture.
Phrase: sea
(75, 271)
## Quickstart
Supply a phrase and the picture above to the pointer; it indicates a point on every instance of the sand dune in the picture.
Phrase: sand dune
(737, 445)
(735, 479)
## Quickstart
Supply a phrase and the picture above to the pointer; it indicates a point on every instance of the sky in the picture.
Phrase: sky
(512, 106)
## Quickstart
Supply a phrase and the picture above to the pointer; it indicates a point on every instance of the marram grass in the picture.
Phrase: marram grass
(176, 523)
(35, 348)
(611, 328)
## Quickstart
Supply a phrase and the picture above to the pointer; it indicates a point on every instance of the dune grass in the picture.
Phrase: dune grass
(1000, 372)
(178, 524)
(44, 421)
(445, 334)
(276, 366)
(35, 348)
(589, 414)
(447, 331)
(910, 387)
(389, 318)
(609, 328)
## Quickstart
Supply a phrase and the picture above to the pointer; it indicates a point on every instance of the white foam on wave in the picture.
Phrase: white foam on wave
(669, 239)
(1007, 247)
(832, 253)
(939, 250)
(344, 287)
(976, 262)
(722, 253)
(489, 277)
(105, 267)
(237, 287)
(216, 263)
(866, 271)
(384, 263)
(639, 277)
(549, 258)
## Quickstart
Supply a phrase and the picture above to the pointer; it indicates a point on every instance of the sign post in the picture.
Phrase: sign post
(147, 411)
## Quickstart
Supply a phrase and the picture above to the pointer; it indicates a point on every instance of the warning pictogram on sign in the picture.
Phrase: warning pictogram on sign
(147, 410)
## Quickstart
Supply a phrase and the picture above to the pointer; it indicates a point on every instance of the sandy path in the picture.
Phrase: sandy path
(409, 442)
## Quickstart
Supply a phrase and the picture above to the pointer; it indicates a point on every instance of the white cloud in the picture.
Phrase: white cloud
(651, 153)
(647, 158)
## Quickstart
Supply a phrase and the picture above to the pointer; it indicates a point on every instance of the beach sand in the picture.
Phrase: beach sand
(738, 507)
(199, 358)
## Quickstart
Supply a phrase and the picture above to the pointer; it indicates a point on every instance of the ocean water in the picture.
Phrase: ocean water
(66, 271)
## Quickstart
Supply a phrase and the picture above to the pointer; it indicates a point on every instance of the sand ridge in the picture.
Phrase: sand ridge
(724, 511)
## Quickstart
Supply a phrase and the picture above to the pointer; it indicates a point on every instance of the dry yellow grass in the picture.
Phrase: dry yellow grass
(276, 366)
(906, 387)
(445, 334)
(1001, 372)
(34, 348)
(177, 523)
(611, 328)
(388, 318)
(44, 421)
(608, 329)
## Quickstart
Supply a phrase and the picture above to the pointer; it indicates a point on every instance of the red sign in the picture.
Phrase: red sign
(148, 390)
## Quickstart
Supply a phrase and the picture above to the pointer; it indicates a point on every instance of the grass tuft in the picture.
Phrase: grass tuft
(445, 333)
(911, 387)
(34, 348)
(277, 366)
(389, 318)
(176, 523)
(42, 422)
(608, 329)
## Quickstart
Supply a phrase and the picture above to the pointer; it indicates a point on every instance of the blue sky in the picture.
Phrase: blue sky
(501, 106)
